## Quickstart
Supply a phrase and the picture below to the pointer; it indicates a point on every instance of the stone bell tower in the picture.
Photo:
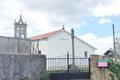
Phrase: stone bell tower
(20, 29)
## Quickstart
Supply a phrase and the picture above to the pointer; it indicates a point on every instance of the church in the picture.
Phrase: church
(58, 43)
(53, 44)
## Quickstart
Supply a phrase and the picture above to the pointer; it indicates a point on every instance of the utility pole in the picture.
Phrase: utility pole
(73, 53)
(114, 42)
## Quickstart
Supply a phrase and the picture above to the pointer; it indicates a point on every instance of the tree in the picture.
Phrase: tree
(118, 46)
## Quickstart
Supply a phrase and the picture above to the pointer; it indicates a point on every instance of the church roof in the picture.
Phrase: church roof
(44, 36)
(49, 34)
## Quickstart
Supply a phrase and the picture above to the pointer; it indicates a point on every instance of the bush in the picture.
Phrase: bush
(44, 76)
(115, 68)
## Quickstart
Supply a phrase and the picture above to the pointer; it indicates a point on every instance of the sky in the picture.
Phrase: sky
(91, 19)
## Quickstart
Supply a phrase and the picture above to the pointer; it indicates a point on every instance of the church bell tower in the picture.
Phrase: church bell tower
(20, 29)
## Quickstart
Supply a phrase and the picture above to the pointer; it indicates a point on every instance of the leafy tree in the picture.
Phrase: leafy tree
(118, 46)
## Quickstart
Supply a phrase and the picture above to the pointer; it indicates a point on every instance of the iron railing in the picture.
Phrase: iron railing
(65, 65)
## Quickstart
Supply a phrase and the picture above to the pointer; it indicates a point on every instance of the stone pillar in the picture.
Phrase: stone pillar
(96, 72)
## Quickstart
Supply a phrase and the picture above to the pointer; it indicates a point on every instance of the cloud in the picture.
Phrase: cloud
(45, 15)
(110, 9)
(88, 37)
(101, 43)
(67, 12)
(104, 20)
(8, 12)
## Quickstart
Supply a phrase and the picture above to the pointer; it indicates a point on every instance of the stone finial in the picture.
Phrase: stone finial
(63, 27)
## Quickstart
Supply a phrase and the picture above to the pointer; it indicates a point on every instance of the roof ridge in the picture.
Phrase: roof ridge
(45, 35)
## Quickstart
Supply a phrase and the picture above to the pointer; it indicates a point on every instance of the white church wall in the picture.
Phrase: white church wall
(43, 46)
(81, 48)
(60, 44)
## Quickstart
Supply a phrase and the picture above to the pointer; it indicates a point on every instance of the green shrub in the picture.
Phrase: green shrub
(114, 67)
(44, 76)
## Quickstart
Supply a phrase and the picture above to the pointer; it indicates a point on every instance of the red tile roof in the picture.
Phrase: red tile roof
(46, 35)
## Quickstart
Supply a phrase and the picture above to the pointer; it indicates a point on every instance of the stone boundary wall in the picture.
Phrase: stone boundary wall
(11, 45)
(16, 67)
(96, 72)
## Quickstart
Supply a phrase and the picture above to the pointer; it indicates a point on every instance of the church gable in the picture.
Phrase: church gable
(54, 34)
(61, 43)
(67, 35)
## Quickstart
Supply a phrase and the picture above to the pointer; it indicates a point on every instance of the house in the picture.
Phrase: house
(58, 43)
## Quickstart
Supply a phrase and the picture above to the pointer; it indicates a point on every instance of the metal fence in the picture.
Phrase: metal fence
(66, 64)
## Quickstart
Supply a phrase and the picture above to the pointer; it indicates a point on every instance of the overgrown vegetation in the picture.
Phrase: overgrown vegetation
(44, 76)
(114, 67)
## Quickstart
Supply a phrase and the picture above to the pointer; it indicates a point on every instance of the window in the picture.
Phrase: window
(85, 54)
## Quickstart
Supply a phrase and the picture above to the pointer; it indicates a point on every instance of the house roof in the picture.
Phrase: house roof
(44, 36)
(109, 53)
(49, 34)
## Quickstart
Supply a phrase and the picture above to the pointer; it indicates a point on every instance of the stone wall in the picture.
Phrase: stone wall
(16, 67)
(96, 73)
(10, 45)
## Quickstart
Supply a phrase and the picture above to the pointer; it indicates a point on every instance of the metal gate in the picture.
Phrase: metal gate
(66, 69)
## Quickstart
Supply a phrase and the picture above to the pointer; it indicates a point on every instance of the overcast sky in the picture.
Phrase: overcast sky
(91, 19)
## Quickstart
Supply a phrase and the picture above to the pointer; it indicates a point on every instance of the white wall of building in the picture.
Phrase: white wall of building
(81, 48)
(43, 46)
(60, 44)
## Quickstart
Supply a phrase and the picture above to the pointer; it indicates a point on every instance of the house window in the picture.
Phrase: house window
(85, 53)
